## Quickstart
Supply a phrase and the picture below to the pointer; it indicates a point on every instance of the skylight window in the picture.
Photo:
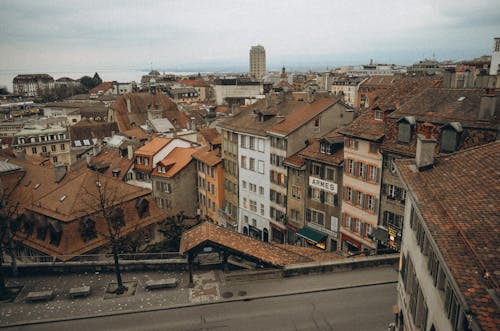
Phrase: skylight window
(37, 185)
(62, 198)
(461, 99)
(86, 142)
(78, 143)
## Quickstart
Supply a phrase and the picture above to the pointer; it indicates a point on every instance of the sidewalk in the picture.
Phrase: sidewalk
(209, 287)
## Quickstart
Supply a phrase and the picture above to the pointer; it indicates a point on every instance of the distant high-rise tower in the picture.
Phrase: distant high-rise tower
(257, 62)
(495, 58)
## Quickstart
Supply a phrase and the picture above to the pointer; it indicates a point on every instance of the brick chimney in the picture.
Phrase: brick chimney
(426, 144)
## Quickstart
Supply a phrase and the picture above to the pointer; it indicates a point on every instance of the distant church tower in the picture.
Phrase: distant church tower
(257, 62)
(495, 58)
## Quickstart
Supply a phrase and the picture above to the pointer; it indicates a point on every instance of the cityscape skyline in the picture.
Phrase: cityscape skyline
(202, 37)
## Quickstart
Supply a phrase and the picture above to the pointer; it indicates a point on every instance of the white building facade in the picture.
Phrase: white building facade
(253, 152)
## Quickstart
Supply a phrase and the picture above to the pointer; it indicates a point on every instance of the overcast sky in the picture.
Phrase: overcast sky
(61, 35)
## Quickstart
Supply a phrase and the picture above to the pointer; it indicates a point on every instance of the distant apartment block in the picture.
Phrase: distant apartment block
(44, 141)
(257, 62)
(33, 85)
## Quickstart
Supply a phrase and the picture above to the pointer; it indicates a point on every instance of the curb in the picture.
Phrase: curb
(153, 309)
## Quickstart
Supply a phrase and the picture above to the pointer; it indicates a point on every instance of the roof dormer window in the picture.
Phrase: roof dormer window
(450, 137)
(379, 115)
(404, 128)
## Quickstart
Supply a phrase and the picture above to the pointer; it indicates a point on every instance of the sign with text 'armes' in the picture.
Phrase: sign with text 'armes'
(323, 184)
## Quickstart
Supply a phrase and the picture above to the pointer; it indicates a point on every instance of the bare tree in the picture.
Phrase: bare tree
(105, 202)
(8, 228)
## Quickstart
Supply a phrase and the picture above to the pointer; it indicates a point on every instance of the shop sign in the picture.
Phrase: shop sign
(323, 184)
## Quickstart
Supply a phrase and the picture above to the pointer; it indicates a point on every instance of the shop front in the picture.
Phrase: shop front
(350, 245)
(313, 237)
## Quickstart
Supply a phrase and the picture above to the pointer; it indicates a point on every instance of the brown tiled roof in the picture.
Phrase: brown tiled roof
(139, 103)
(312, 253)
(380, 81)
(194, 82)
(443, 105)
(312, 151)
(210, 157)
(154, 146)
(402, 91)
(459, 199)
(265, 252)
(302, 113)
(296, 161)
(211, 135)
(365, 127)
(175, 161)
(135, 133)
(104, 86)
(88, 129)
(73, 198)
(111, 157)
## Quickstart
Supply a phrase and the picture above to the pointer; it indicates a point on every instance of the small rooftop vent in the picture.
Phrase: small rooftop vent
(36, 186)
(461, 99)
(62, 198)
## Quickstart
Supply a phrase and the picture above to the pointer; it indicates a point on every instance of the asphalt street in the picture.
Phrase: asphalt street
(358, 308)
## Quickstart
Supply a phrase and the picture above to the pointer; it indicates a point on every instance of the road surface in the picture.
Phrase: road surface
(359, 308)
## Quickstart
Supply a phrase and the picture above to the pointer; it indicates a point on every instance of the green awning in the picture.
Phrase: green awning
(312, 235)
(380, 235)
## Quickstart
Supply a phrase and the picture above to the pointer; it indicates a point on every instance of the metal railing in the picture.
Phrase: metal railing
(94, 258)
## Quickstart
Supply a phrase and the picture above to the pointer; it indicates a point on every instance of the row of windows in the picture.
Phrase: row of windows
(43, 149)
(230, 167)
(322, 196)
(252, 165)
(322, 171)
(279, 143)
(417, 305)
(364, 171)
(142, 160)
(276, 214)
(277, 160)
(356, 225)
(204, 168)
(277, 177)
(230, 187)
(252, 143)
(164, 203)
(392, 220)
(360, 199)
(207, 202)
(315, 216)
(51, 137)
(278, 198)
(451, 304)
(393, 192)
(163, 187)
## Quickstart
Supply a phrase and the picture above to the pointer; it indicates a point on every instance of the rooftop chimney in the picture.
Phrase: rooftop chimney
(426, 144)
(487, 104)
(129, 109)
(311, 95)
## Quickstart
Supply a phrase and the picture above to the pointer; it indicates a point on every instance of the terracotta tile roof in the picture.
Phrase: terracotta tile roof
(380, 81)
(175, 161)
(295, 161)
(443, 105)
(104, 86)
(112, 157)
(135, 133)
(211, 135)
(302, 113)
(154, 146)
(365, 127)
(210, 157)
(89, 129)
(402, 91)
(262, 251)
(312, 152)
(139, 103)
(72, 199)
(460, 204)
